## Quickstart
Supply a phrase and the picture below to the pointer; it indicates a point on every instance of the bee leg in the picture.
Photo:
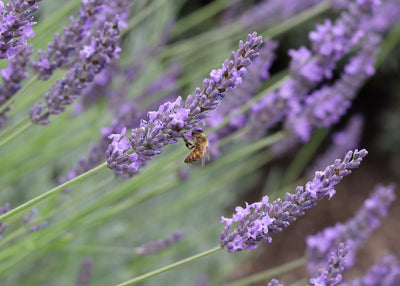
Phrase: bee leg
(188, 145)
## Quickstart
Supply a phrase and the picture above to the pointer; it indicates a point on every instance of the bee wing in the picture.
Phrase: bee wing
(208, 153)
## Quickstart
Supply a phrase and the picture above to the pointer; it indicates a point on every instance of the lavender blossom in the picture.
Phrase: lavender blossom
(324, 107)
(331, 274)
(330, 42)
(257, 73)
(386, 272)
(16, 24)
(93, 59)
(346, 139)
(165, 125)
(29, 216)
(66, 49)
(3, 225)
(85, 272)
(12, 77)
(258, 220)
(352, 232)
(274, 282)
(38, 226)
(155, 247)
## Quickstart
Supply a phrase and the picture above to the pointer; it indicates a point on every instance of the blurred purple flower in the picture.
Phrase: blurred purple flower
(346, 139)
(65, 91)
(274, 282)
(16, 26)
(256, 221)
(352, 232)
(331, 274)
(384, 273)
(155, 247)
(29, 216)
(12, 77)
(165, 125)
(3, 225)
(257, 73)
(85, 272)
(324, 107)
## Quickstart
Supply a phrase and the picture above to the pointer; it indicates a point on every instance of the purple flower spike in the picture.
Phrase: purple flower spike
(274, 282)
(331, 274)
(258, 220)
(172, 119)
(95, 57)
(16, 26)
(12, 77)
(85, 272)
(155, 247)
(352, 232)
(386, 272)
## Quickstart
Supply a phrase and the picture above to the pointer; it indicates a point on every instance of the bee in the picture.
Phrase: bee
(199, 148)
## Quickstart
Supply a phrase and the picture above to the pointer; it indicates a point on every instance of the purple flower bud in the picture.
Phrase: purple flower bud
(16, 26)
(155, 247)
(331, 274)
(85, 272)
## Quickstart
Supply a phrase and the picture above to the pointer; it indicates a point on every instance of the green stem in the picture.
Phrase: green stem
(304, 156)
(200, 16)
(169, 267)
(15, 131)
(270, 273)
(388, 45)
(51, 192)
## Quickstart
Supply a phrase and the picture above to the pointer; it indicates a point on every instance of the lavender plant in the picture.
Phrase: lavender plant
(127, 79)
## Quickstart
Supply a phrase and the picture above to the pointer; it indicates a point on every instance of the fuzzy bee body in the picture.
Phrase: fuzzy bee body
(199, 148)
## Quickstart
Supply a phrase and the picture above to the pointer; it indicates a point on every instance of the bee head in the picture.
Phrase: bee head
(197, 132)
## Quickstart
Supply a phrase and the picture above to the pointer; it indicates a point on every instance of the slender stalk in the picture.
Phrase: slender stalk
(169, 267)
(25, 124)
(51, 192)
(270, 273)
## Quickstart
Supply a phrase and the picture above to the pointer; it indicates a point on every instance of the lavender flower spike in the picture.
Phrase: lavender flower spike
(352, 232)
(167, 125)
(331, 274)
(386, 272)
(16, 26)
(165, 243)
(274, 282)
(258, 220)
(93, 58)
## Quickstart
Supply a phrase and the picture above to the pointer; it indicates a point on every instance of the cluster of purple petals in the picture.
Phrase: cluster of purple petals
(346, 139)
(330, 41)
(257, 73)
(93, 58)
(325, 106)
(167, 124)
(29, 217)
(85, 272)
(352, 232)
(157, 246)
(65, 49)
(3, 225)
(16, 24)
(385, 272)
(12, 77)
(257, 221)
(126, 111)
(274, 282)
(331, 274)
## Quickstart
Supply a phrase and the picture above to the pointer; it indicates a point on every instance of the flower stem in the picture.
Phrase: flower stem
(169, 267)
(270, 273)
(15, 131)
(51, 192)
